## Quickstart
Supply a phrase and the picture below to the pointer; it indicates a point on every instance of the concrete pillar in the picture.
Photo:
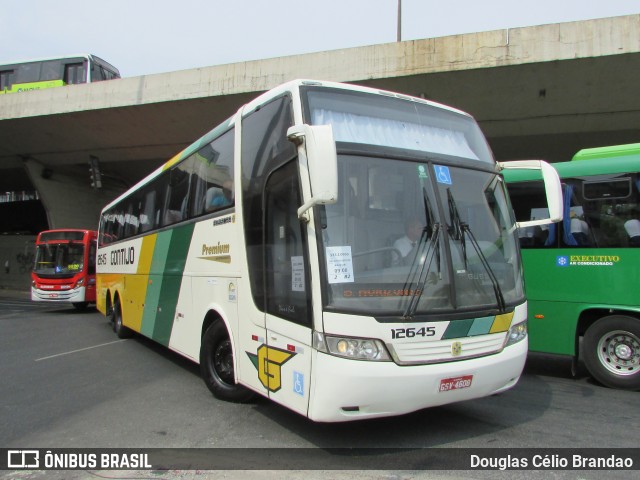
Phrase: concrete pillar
(67, 195)
(16, 261)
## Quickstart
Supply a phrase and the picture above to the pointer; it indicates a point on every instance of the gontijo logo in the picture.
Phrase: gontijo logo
(268, 361)
(123, 256)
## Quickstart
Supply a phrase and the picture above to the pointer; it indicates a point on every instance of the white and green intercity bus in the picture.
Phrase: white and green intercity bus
(347, 252)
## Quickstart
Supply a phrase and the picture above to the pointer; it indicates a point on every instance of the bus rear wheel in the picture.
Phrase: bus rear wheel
(116, 321)
(216, 365)
(612, 351)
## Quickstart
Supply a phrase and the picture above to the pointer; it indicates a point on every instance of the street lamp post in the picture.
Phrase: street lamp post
(399, 20)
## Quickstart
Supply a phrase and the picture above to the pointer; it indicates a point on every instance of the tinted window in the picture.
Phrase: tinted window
(6, 79)
(599, 212)
(264, 148)
(51, 70)
(212, 179)
(285, 248)
(178, 193)
(28, 72)
(74, 73)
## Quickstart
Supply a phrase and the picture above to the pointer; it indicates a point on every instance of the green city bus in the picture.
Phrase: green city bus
(38, 74)
(581, 274)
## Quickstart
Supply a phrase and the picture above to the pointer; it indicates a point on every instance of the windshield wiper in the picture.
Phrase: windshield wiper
(496, 286)
(457, 229)
(462, 229)
(422, 270)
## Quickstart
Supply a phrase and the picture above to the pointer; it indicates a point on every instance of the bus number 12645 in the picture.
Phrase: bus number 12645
(413, 332)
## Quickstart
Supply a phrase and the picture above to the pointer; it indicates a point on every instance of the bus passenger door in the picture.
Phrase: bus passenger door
(286, 366)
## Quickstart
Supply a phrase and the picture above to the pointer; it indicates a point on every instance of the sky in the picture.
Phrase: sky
(143, 37)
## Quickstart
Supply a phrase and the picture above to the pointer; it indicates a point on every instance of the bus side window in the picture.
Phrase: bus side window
(148, 211)
(6, 79)
(118, 233)
(74, 73)
(51, 70)
(177, 193)
(91, 268)
(606, 208)
(28, 72)
(132, 218)
(212, 179)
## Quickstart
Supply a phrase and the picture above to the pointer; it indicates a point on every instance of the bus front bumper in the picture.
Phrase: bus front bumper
(74, 295)
(346, 390)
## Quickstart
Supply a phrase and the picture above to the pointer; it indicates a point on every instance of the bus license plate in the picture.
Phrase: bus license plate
(455, 383)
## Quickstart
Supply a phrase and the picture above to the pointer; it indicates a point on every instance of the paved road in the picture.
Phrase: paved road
(69, 382)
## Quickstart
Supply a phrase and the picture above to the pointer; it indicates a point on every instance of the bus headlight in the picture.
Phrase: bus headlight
(349, 347)
(79, 283)
(516, 333)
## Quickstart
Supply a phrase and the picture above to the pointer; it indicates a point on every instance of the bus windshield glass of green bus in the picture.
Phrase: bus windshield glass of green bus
(422, 223)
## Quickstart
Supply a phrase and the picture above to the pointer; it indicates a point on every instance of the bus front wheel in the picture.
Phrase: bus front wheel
(216, 365)
(612, 351)
(80, 306)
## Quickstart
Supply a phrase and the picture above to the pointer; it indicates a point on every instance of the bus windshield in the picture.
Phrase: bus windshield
(401, 242)
(411, 232)
(59, 260)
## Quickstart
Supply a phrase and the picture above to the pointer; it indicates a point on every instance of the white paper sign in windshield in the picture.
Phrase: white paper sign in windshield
(339, 264)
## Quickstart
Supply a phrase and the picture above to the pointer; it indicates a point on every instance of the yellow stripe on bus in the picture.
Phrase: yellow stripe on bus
(502, 323)
(175, 159)
(137, 285)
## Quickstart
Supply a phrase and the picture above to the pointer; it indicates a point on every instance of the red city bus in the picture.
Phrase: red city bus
(64, 270)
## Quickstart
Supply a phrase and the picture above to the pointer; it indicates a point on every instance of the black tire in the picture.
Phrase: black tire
(80, 306)
(116, 321)
(611, 348)
(110, 313)
(216, 365)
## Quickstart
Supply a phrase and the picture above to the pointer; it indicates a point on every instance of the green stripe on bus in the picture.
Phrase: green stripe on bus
(481, 326)
(458, 329)
(27, 87)
(179, 244)
(156, 278)
(477, 326)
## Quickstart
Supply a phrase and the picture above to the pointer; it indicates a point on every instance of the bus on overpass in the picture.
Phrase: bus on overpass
(23, 76)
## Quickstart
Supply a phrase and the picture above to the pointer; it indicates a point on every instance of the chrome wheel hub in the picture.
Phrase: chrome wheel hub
(619, 352)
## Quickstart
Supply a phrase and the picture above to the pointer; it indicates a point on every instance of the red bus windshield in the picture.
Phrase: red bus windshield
(63, 253)
(60, 260)
(64, 269)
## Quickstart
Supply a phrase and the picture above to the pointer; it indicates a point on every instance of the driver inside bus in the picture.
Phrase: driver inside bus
(407, 244)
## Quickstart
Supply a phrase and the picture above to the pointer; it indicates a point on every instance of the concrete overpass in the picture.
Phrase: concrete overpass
(543, 92)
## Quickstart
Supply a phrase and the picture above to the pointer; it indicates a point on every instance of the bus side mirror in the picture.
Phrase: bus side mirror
(552, 187)
(322, 164)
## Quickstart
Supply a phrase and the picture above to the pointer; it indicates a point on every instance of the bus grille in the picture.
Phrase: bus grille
(421, 352)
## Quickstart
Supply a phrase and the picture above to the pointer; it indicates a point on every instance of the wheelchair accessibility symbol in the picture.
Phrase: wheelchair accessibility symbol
(298, 383)
(442, 174)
